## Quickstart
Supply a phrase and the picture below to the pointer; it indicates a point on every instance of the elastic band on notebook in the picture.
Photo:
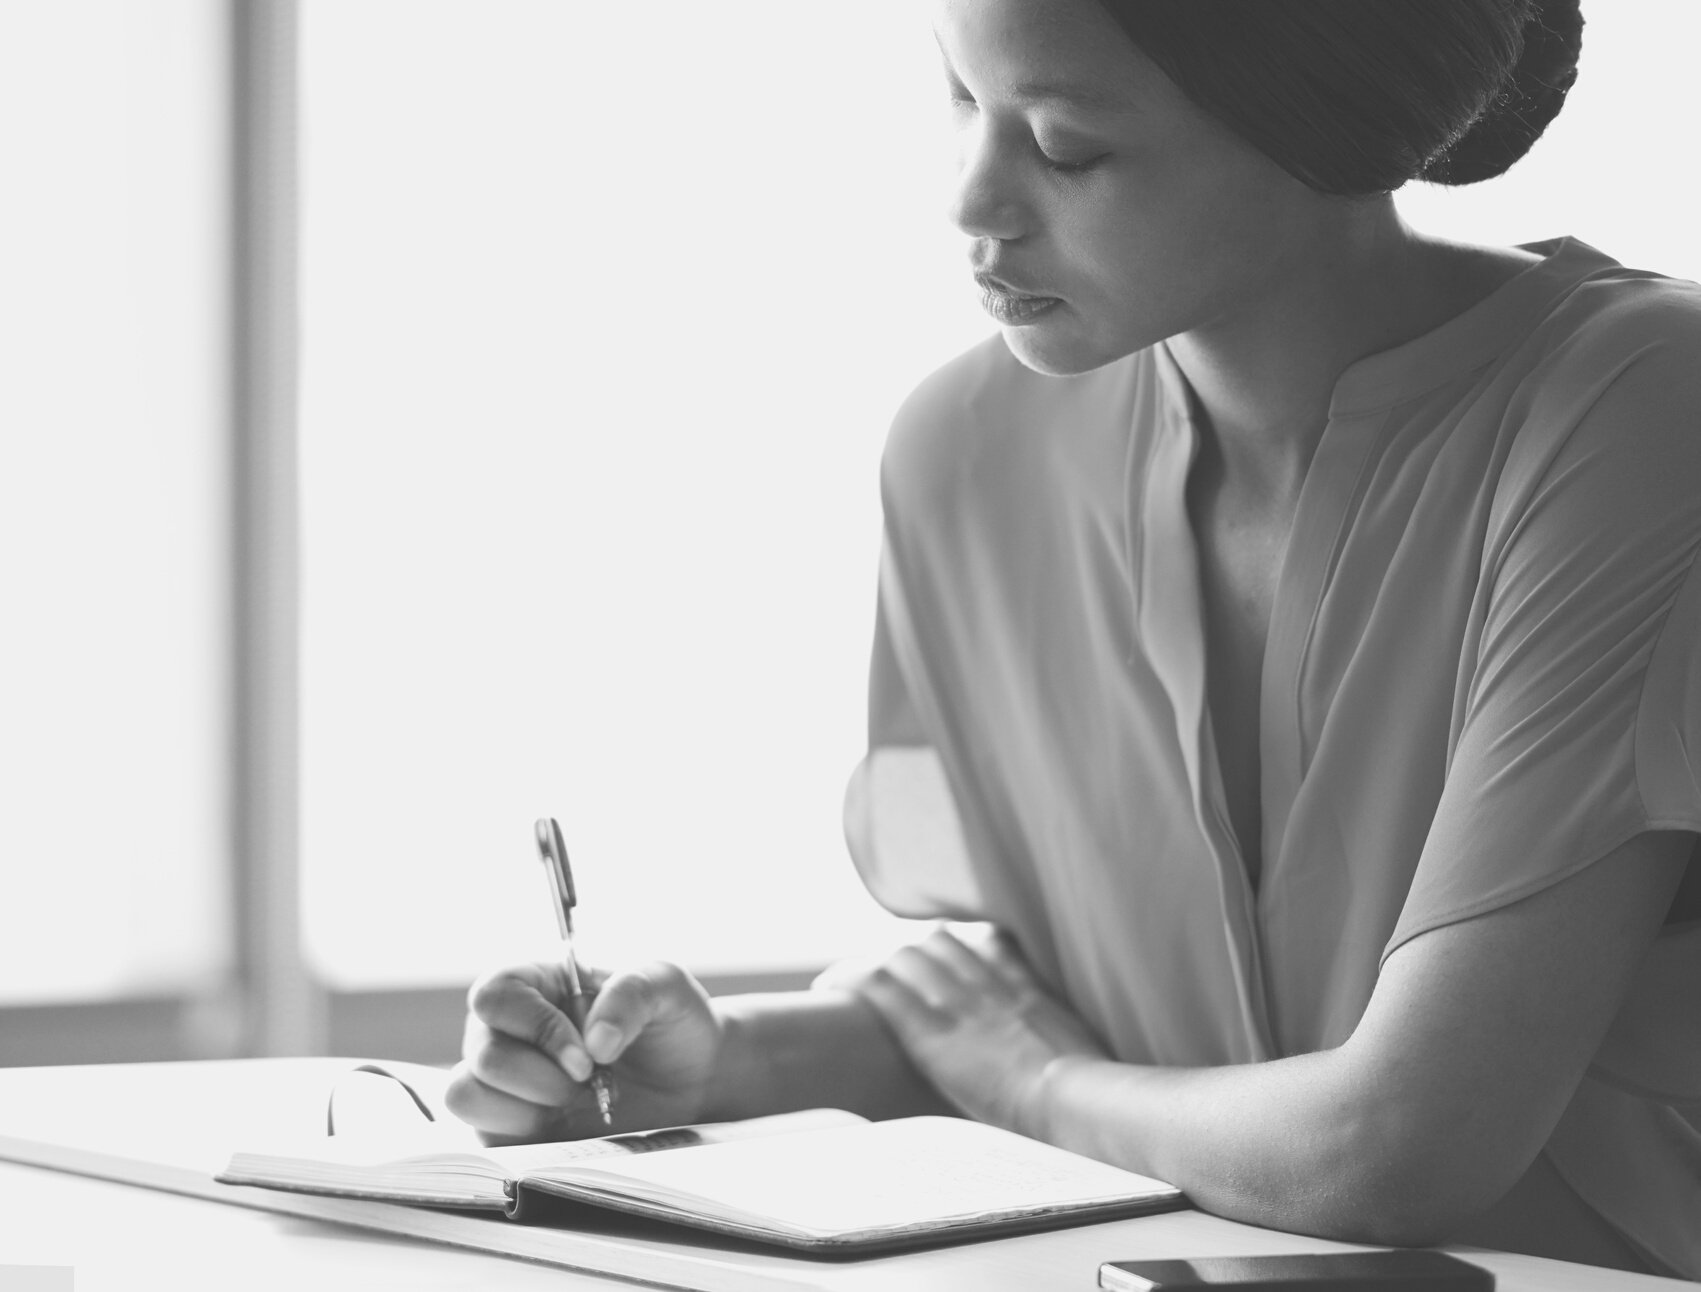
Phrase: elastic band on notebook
(376, 1070)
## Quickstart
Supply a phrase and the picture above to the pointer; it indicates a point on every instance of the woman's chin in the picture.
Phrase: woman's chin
(1057, 351)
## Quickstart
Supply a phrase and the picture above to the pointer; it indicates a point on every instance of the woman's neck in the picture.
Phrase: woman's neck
(1263, 376)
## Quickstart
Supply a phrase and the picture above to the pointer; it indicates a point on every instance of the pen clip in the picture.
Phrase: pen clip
(552, 851)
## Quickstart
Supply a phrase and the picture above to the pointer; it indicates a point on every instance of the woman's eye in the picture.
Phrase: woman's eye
(1064, 155)
(1065, 166)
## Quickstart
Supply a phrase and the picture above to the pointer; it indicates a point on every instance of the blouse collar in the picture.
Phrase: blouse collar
(1470, 339)
(1462, 344)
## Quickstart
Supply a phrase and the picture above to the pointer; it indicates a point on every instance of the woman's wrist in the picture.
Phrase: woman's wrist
(1040, 1111)
(776, 1054)
(1100, 1108)
(728, 1095)
(784, 1051)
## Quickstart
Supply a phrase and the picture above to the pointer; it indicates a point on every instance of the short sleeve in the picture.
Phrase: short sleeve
(1668, 726)
(901, 821)
(918, 847)
(1579, 714)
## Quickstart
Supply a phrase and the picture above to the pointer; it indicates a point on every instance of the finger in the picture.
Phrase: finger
(963, 959)
(657, 994)
(496, 1112)
(906, 1010)
(843, 975)
(549, 977)
(574, 1062)
(518, 1069)
(930, 976)
(512, 1004)
(1003, 956)
(626, 1003)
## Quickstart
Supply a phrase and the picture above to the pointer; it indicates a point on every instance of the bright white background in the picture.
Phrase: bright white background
(607, 309)
(1618, 167)
(112, 503)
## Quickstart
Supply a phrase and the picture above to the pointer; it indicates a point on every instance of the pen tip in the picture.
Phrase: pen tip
(605, 1101)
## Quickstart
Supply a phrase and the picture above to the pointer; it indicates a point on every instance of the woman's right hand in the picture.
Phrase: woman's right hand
(524, 1071)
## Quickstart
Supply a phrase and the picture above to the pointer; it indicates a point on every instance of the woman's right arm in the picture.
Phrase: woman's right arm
(677, 1057)
(814, 1049)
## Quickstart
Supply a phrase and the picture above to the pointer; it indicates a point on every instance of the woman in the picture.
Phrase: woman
(1289, 640)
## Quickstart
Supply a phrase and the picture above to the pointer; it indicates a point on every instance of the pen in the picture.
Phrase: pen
(553, 852)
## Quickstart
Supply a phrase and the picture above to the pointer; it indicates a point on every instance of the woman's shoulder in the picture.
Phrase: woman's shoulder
(1615, 364)
(1618, 313)
(950, 402)
(983, 413)
(970, 401)
(1603, 411)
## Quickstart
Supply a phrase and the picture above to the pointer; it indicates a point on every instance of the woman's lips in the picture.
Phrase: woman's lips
(1010, 307)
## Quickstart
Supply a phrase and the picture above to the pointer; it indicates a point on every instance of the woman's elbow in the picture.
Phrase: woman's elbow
(1399, 1215)
(1402, 1182)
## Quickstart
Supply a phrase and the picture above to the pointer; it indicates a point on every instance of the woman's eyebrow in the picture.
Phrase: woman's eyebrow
(1087, 98)
(1071, 94)
(1068, 93)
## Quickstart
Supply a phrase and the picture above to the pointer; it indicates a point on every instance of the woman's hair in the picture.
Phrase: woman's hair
(1359, 96)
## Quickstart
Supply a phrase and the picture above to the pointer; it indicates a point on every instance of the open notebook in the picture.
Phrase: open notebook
(823, 1180)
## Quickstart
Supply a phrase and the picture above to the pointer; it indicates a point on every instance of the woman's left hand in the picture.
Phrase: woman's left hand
(976, 1023)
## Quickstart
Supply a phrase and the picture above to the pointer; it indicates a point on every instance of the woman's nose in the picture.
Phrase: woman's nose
(985, 201)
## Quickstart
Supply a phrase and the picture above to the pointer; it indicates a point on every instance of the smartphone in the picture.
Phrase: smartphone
(1415, 1270)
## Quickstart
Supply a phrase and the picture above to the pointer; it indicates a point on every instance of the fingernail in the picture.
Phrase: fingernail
(602, 1039)
(576, 1062)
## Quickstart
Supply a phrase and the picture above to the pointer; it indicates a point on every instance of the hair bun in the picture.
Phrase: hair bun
(1530, 98)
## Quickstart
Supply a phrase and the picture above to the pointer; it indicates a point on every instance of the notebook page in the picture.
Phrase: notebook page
(521, 1160)
(892, 1175)
(443, 1162)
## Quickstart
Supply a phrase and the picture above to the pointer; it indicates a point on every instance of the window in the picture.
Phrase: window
(113, 499)
(606, 311)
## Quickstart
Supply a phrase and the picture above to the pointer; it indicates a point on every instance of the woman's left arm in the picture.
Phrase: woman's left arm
(1473, 1041)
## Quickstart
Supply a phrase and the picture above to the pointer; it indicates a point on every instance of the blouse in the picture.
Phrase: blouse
(1482, 675)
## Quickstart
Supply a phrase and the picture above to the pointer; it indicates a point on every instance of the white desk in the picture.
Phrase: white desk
(122, 1236)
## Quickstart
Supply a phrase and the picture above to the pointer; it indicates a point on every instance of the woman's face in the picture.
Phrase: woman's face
(1090, 182)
